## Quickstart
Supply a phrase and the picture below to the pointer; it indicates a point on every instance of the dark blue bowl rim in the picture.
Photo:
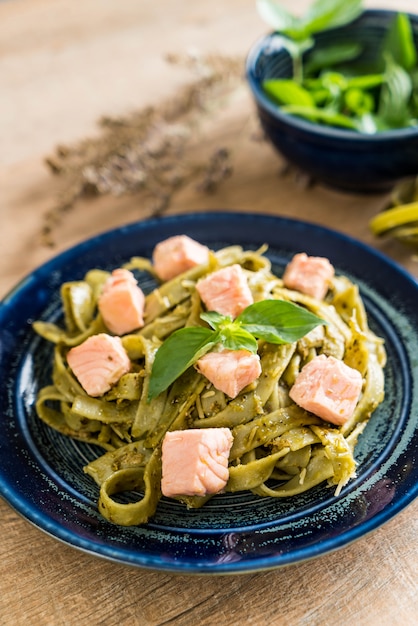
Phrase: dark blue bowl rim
(211, 222)
(310, 128)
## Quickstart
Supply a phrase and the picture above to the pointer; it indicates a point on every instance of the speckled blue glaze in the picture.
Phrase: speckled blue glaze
(41, 473)
(336, 157)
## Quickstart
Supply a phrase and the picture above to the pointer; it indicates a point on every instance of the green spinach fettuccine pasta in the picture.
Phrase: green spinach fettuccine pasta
(279, 449)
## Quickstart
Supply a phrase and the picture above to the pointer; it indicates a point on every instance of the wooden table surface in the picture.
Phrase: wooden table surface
(64, 65)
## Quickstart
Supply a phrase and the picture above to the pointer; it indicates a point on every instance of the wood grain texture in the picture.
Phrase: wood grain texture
(373, 581)
(62, 66)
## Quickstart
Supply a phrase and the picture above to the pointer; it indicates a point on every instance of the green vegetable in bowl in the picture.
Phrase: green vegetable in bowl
(329, 84)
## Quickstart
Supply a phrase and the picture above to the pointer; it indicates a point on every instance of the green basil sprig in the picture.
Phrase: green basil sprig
(297, 32)
(320, 15)
(275, 321)
(330, 85)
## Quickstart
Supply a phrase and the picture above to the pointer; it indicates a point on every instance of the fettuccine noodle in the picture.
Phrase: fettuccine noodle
(278, 450)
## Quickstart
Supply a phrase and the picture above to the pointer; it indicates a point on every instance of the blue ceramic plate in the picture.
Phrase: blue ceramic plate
(41, 473)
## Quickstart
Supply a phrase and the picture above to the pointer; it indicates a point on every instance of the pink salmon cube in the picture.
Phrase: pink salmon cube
(328, 388)
(226, 291)
(195, 461)
(176, 255)
(230, 370)
(121, 303)
(310, 275)
(98, 363)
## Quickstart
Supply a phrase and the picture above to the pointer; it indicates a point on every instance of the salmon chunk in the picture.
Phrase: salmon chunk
(328, 388)
(309, 274)
(195, 461)
(98, 363)
(230, 370)
(177, 254)
(121, 303)
(226, 291)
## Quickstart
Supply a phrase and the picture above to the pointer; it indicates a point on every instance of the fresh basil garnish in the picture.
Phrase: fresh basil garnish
(274, 321)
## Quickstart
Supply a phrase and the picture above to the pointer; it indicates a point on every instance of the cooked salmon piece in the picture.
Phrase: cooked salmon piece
(226, 291)
(121, 303)
(328, 388)
(195, 461)
(311, 275)
(230, 370)
(98, 363)
(177, 254)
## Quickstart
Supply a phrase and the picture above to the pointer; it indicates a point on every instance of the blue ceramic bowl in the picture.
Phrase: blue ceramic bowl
(336, 157)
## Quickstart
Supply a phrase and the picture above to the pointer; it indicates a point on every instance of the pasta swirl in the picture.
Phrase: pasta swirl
(278, 450)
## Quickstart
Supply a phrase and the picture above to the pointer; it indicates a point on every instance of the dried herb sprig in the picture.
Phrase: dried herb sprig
(146, 150)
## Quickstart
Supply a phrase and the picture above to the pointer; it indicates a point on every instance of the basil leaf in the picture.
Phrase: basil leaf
(321, 15)
(399, 42)
(214, 319)
(279, 18)
(395, 96)
(235, 337)
(178, 352)
(287, 91)
(230, 333)
(325, 14)
(278, 321)
(367, 81)
(326, 116)
(323, 58)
